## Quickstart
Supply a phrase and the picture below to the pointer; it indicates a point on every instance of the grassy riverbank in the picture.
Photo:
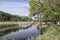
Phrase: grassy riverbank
(12, 25)
(7, 27)
(51, 32)
(7, 24)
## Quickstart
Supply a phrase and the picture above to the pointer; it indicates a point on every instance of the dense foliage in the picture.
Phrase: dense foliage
(8, 17)
(48, 9)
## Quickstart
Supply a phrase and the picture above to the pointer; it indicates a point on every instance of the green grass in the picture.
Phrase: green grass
(8, 25)
(51, 33)
(12, 25)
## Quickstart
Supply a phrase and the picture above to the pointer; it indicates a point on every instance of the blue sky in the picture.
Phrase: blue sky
(16, 7)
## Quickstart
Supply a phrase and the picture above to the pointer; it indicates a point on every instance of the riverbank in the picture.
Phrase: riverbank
(7, 27)
(51, 32)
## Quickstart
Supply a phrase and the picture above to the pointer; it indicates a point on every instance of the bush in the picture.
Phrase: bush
(51, 33)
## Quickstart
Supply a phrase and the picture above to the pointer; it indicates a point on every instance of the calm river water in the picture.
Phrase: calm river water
(23, 34)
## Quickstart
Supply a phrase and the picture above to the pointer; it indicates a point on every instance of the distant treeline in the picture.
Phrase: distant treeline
(8, 17)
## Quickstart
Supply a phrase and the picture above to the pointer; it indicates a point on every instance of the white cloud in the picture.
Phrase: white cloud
(15, 8)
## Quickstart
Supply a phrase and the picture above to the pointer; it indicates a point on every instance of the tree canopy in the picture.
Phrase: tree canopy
(48, 8)
(9, 17)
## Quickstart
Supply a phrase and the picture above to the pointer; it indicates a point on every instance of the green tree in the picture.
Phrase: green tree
(8, 17)
(46, 8)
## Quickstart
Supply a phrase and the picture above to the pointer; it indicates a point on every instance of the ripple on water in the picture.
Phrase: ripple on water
(23, 34)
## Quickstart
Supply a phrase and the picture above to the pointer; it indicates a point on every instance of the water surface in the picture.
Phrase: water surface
(23, 34)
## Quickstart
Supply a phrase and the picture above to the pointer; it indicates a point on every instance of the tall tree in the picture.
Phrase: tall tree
(48, 8)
